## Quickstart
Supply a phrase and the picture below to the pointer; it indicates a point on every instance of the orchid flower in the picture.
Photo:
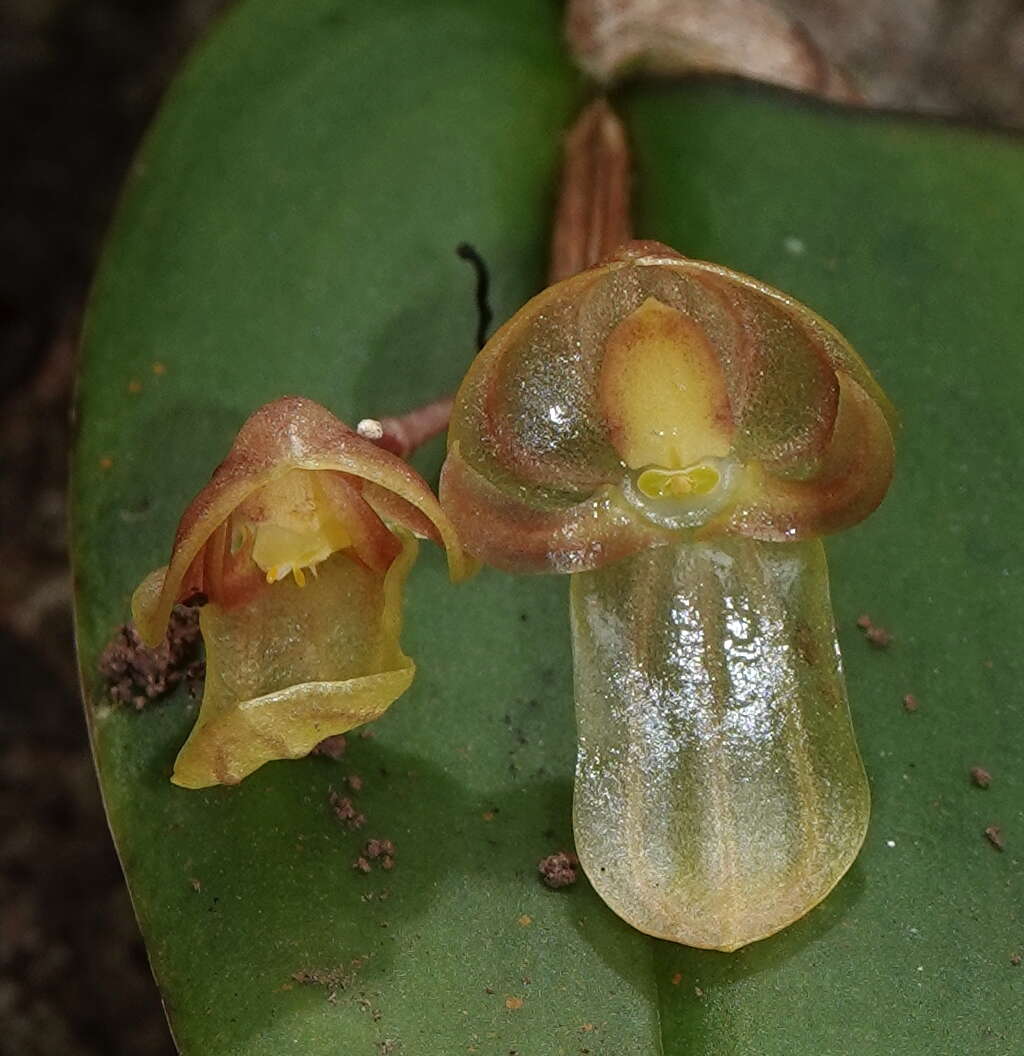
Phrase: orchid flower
(677, 437)
(298, 550)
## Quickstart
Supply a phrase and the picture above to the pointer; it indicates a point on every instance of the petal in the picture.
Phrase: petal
(290, 433)
(506, 530)
(852, 480)
(296, 665)
(783, 381)
(527, 409)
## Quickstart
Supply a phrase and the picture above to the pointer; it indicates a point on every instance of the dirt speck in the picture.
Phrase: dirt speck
(137, 675)
(980, 777)
(331, 979)
(525, 920)
(513, 1004)
(345, 811)
(677, 978)
(354, 782)
(994, 835)
(879, 637)
(196, 884)
(910, 702)
(381, 852)
(559, 869)
(1016, 960)
(333, 747)
(361, 865)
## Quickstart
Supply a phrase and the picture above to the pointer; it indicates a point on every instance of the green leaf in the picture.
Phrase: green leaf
(291, 228)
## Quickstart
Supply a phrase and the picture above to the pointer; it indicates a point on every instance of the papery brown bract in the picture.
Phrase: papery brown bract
(298, 549)
(678, 435)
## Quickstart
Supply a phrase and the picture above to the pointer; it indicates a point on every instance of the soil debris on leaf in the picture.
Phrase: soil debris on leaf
(354, 782)
(381, 852)
(136, 674)
(910, 702)
(1016, 960)
(980, 777)
(559, 869)
(879, 637)
(345, 811)
(994, 835)
(333, 747)
(331, 979)
(513, 1003)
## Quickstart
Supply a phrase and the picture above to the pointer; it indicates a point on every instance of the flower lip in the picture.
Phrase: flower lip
(368, 486)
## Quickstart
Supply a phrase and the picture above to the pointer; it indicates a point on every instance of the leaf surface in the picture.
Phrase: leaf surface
(290, 228)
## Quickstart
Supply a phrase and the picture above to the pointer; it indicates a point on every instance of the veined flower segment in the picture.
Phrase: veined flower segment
(298, 550)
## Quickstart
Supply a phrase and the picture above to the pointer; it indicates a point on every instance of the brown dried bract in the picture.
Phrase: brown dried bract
(747, 38)
(592, 217)
(136, 674)
(994, 835)
(559, 869)
(981, 777)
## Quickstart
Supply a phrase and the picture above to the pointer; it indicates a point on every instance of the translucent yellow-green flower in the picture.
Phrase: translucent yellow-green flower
(678, 436)
(297, 549)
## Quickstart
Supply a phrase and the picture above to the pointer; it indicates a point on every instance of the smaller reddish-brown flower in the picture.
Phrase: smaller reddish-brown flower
(298, 549)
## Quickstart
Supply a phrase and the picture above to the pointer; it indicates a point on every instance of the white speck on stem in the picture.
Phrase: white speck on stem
(890, 843)
(370, 429)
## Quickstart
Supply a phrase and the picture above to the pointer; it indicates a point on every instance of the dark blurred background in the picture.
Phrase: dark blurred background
(79, 80)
